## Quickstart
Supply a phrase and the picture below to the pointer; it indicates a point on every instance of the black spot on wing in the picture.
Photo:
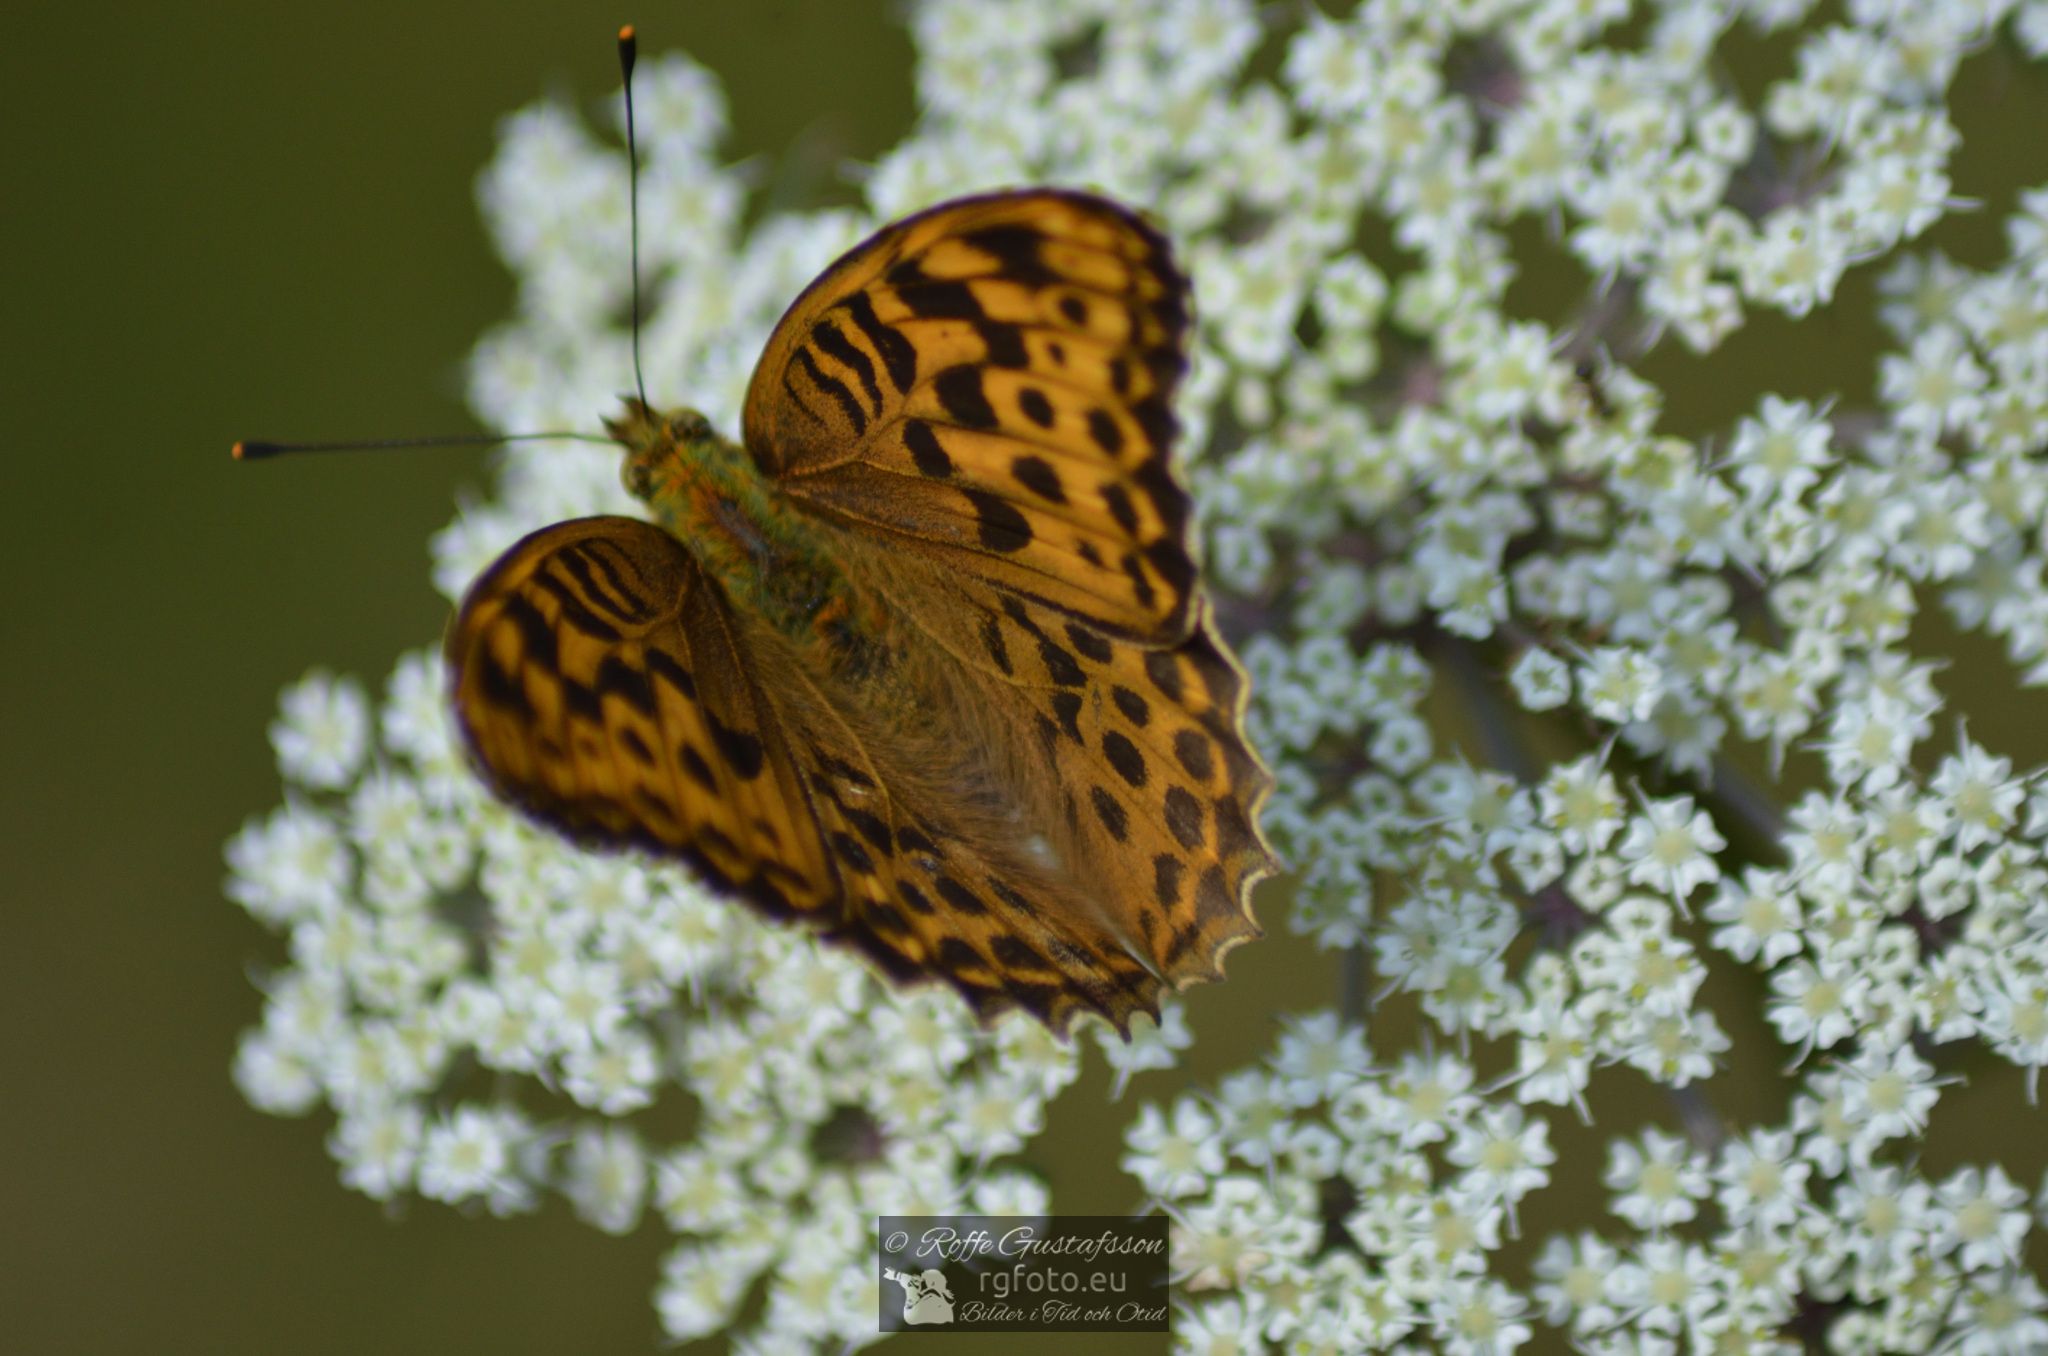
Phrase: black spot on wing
(870, 825)
(1011, 896)
(1005, 344)
(832, 342)
(1035, 406)
(574, 610)
(1102, 427)
(1016, 249)
(699, 771)
(941, 301)
(601, 583)
(1092, 646)
(1171, 500)
(536, 637)
(834, 388)
(1233, 831)
(615, 677)
(954, 954)
(1155, 417)
(1110, 813)
(925, 452)
(1173, 563)
(852, 854)
(959, 896)
(581, 700)
(1059, 665)
(1166, 872)
(992, 641)
(840, 768)
(1000, 527)
(899, 355)
(961, 396)
(1067, 706)
(1134, 707)
(1141, 583)
(1118, 502)
(1037, 475)
(1164, 673)
(1192, 748)
(1212, 896)
(1184, 817)
(500, 688)
(1123, 755)
(886, 917)
(742, 749)
(663, 665)
(1017, 953)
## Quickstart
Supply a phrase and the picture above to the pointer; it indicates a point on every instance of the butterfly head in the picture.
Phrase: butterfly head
(656, 441)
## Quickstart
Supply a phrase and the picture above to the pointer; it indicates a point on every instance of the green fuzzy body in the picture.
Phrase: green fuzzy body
(773, 561)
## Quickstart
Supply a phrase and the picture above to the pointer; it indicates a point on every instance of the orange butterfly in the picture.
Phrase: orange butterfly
(926, 662)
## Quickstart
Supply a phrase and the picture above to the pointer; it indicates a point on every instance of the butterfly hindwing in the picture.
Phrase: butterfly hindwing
(603, 688)
(991, 382)
(940, 882)
(1144, 749)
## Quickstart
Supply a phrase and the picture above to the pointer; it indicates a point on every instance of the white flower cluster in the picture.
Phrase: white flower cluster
(485, 1009)
(1565, 708)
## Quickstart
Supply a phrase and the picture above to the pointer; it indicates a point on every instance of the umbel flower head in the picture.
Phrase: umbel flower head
(1600, 738)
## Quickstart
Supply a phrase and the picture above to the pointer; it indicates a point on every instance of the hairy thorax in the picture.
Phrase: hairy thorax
(772, 561)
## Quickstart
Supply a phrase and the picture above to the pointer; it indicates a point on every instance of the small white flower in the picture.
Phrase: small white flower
(1672, 845)
(1982, 1217)
(1541, 680)
(1619, 685)
(607, 1177)
(1505, 1152)
(467, 1155)
(1177, 1157)
(1658, 1183)
(322, 731)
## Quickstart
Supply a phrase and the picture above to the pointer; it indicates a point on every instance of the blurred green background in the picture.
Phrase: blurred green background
(252, 220)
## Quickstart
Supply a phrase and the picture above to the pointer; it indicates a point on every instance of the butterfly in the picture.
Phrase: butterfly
(924, 660)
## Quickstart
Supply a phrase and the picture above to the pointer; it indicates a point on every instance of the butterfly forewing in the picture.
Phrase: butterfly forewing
(603, 688)
(990, 381)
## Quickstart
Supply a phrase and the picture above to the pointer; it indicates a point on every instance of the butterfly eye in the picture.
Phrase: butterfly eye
(638, 478)
(688, 426)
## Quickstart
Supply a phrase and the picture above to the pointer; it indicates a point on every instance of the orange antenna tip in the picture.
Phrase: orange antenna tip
(626, 33)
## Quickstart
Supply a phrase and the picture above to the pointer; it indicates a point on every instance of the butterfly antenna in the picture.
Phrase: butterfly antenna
(250, 449)
(629, 51)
